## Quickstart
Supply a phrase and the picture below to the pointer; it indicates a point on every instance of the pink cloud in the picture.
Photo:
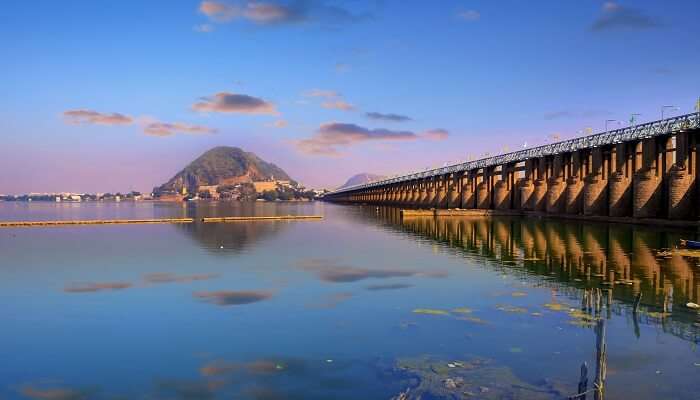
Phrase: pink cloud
(435, 134)
(84, 116)
(258, 12)
(169, 129)
(338, 105)
(330, 136)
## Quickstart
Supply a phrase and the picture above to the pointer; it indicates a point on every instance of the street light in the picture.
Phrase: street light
(674, 108)
(609, 120)
(633, 120)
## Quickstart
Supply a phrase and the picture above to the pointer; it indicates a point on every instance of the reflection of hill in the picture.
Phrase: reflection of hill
(573, 256)
(235, 237)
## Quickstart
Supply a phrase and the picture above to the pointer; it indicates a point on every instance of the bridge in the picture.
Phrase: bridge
(641, 171)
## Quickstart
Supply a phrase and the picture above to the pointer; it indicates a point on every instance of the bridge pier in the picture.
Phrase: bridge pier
(469, 190)
(595, 184)
(682, 178)
(556, 187)
(441, 192)
(527, 187)
(574, 185)
(453, 191)
(647, 180)
(620, 185)
(430, 194)
(503, 189)
(483, 192)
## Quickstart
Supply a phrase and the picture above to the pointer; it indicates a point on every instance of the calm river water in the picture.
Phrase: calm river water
(360, 305)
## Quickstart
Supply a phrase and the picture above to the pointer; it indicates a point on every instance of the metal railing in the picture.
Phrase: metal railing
(636, 132)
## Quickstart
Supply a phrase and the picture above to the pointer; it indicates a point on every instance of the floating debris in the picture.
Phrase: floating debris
(693, 306)
(430, 311)
(518, 294)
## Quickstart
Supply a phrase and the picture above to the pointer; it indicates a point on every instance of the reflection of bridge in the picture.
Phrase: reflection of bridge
(642, 171)
(572, 256)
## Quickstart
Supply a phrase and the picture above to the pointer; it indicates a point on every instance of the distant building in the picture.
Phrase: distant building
(264, 186)
(211, 189)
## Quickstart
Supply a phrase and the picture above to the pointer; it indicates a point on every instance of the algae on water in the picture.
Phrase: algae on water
(467, 378)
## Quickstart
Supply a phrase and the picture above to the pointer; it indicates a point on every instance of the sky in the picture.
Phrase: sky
(121, 95)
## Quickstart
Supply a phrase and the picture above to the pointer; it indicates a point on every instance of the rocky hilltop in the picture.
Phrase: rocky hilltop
(361, 179)
(223, 166)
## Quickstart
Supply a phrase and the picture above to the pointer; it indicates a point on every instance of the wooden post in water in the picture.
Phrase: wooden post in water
(601, 360)
(635, 308)
(583, 382)
(637, 300)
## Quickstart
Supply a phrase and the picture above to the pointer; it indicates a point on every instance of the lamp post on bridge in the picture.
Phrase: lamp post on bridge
(633, 119)
(674, 108)
(608, 121)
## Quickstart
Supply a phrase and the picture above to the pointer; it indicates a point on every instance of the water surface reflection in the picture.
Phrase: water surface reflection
(575, 257)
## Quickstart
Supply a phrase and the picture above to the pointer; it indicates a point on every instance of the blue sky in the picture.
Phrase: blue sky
(103, 96)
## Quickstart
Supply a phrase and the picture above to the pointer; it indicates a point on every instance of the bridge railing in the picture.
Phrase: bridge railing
(635, 132)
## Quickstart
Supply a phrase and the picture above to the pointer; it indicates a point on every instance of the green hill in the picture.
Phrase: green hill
(223, 166)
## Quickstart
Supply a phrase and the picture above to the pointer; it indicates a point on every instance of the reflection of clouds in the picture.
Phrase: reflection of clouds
(230, 298)
(390, 286)
(216, 368)
(96, 287)
(155, 278)
(256, 367)
(190, 389)
(166, 277)
(266, 393)
(53, 393)
(331, 300)
(331, 271)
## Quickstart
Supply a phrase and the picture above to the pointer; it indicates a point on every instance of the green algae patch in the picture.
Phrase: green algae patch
(430, 311)
(462, 310)
(582, 319)
(467, 378)
(511, 309)
(518, 294)
(515, 350)
(557, 307)
(474, 320)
